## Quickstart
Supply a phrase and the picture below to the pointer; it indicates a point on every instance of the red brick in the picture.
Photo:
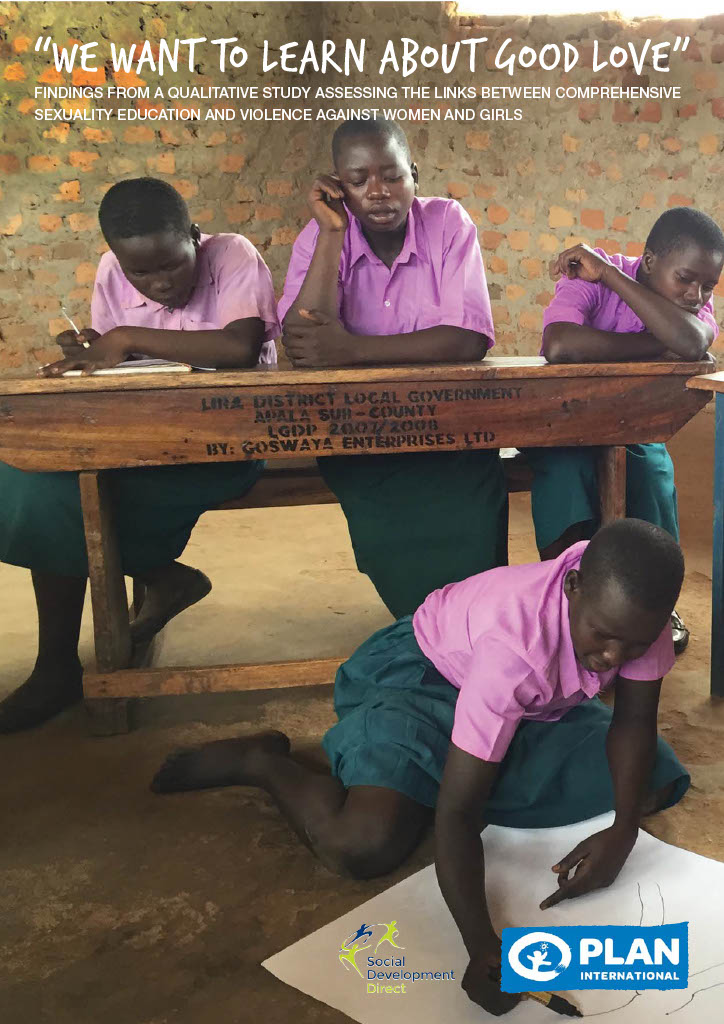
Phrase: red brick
(650, 112)
(587, 112)
(265, 211)
(593, 219)
(622, 113)
(477, 140)
(95, 77)
(9, 163)
(14, 72)
(491, 239)
(164, 163)
(57, 132)
(42, 163)
(284, 236)
(232, 163)
(634, 248)
(531, 268)
(498, 214)
(458, 189)
(238, 214)
(9, 227)
(82, 222)
(85, 273)
(188, 189)
(717, 107)
(619, 223)
(51, 77)
(99, 135)
(519, 240)
(138, 133)
(81, 159)
(496, 265)
(50, 222)
(677, 199)
(68, 192)
(483, 191)
(688, 110)
(279, 187)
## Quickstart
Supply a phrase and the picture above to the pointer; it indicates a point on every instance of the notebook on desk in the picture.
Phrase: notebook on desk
(141, 366)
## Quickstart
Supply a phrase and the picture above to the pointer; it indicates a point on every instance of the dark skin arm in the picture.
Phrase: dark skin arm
(460, 866)
(671, 332)
(631, 751)
(313, 335)
(236, 346)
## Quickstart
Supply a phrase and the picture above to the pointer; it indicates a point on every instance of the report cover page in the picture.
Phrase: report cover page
(356, 465)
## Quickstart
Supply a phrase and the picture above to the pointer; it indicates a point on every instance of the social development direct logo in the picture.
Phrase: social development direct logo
(375, 954)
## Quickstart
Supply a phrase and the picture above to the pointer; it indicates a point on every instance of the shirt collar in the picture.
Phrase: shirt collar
(414, 244)
(204, 277)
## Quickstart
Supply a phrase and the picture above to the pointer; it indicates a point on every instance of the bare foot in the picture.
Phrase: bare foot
(234, 762)
(47, 692)
(169, 591)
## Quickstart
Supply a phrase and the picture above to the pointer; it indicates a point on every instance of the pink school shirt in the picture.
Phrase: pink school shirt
(503, 639)
(438, 278)
(583, 302)
(233, 282)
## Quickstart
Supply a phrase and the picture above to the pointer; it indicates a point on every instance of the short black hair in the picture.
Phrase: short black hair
(382, 127)
(642, 559)
(142, 206)
(682, 225)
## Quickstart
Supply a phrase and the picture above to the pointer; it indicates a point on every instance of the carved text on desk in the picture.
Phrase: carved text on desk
(305, 422)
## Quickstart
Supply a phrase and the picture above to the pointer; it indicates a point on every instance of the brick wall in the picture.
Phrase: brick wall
(570, 170)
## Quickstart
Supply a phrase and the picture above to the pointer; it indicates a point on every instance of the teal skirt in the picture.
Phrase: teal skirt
(41, 524)
(396, 716)
(565, 489)
(420, 521)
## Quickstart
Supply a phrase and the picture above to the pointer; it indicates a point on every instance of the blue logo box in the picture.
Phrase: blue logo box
(571, 959)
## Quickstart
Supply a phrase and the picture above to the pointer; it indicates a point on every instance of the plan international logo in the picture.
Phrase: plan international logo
(372, 951)
(572, 959)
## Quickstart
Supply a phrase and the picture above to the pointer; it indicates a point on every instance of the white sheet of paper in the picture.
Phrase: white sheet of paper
(659, 884)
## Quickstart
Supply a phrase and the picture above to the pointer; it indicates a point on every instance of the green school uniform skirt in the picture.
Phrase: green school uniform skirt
(420, 521)
(565, 489)
(41, 525)
(396, 716)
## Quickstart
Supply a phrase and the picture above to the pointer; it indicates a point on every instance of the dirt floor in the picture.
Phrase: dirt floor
(123, 907)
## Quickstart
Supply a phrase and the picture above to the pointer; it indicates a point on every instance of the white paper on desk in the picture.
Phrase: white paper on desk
(659, 882)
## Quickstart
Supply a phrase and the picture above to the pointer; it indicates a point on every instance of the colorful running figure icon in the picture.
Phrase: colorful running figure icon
(389, 936)
(347, 955)
(362, 931)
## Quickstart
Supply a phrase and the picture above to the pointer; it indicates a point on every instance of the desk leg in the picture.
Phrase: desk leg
(612, 484)
(108, 595)
(717, 567)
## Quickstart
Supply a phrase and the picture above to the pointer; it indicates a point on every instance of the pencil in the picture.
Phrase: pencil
(85, 344)
(556, 1003)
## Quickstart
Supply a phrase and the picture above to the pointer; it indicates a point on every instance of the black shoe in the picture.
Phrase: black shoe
(679, 632)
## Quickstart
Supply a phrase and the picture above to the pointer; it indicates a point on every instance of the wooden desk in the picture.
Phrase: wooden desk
(93, 424)
(714, 382)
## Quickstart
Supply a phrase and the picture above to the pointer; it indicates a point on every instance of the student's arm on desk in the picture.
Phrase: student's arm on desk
(671, 332)
(460, 866)
(631, 751)
(236, 346)
(324, 341)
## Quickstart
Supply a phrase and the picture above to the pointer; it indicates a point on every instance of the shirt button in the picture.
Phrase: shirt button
(387, 302)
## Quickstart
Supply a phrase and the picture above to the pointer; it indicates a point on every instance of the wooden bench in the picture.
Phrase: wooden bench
(299, 482)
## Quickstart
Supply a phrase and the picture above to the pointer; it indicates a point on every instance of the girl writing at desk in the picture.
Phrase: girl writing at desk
(618, 308)
(167, 291)
(380, 276)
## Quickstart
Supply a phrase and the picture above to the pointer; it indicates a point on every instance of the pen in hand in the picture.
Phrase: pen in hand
(85, 344)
